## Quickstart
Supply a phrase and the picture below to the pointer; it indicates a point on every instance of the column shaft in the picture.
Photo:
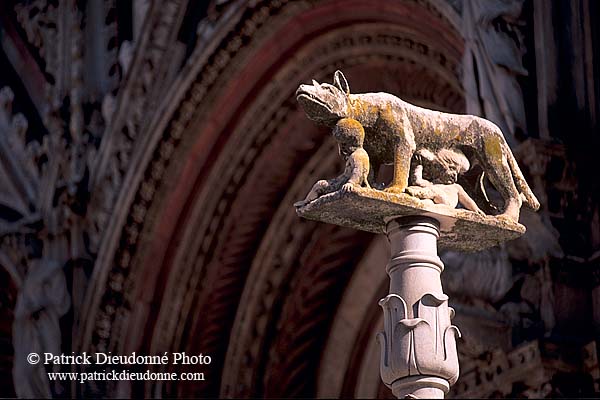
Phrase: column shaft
(418, 342)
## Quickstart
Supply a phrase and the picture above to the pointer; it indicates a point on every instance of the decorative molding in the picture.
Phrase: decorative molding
(131, 107)
(40, 19)
(314, 293)
(45, 178)
(499, 371)
(36, 243)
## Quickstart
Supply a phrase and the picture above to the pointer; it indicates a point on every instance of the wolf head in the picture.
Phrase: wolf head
(325, 103)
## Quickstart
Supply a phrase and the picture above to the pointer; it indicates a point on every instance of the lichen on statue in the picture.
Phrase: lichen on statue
(373, 129)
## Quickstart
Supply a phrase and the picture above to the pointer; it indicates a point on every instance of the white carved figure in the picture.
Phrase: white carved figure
(350, 135)
(444, 189)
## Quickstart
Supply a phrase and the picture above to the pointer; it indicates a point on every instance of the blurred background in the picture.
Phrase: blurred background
(151, 151)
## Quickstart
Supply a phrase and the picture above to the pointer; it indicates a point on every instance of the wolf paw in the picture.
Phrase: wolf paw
(394, 189)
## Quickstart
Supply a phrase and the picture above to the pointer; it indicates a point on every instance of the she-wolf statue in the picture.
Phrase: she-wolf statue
(395, 130)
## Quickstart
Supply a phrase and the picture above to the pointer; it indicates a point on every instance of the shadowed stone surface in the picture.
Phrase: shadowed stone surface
(370, 210)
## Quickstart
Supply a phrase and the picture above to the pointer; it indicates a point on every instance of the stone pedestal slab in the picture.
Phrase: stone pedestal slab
(370, 210)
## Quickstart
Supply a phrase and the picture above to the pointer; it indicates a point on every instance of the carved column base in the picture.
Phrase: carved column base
(420, 387)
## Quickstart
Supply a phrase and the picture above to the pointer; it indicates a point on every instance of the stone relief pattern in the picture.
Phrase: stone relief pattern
(55, 30)
(128, 111)
(61, 174)
(243, 222)
(493, 62)
(39, 19)
(33, 247)
(315, 290)
(51, 27)
(433, 10)
(526, 371)
(498, 371)
(232, 282)
(47, 23)
(252, 358)
(189, 106)
(113, 296)
(51, 171)
(271, 267)
(111, 45)
(265, 126)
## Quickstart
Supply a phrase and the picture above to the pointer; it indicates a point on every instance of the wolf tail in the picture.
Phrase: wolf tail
(522, 186)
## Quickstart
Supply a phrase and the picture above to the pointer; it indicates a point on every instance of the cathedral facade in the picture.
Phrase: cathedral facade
(151, 153)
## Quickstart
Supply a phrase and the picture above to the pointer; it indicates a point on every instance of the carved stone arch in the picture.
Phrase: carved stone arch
(205, 211)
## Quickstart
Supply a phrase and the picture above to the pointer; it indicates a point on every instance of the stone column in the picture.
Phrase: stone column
(418, 344)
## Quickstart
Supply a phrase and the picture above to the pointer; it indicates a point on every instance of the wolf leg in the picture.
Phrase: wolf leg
(500, 175)
(493, 155)
(512, 199)
(402, 156)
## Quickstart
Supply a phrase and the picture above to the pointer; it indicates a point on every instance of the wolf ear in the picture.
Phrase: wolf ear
(340, 81)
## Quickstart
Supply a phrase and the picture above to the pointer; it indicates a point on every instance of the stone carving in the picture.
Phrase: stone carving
(424, 345)
(39, 19)
(485, 275)
(43, 299)
(442, 187)
(497, 371)
(350, 135)
(42, 186)
(396, 130)
(125, 114)
(125, 56)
